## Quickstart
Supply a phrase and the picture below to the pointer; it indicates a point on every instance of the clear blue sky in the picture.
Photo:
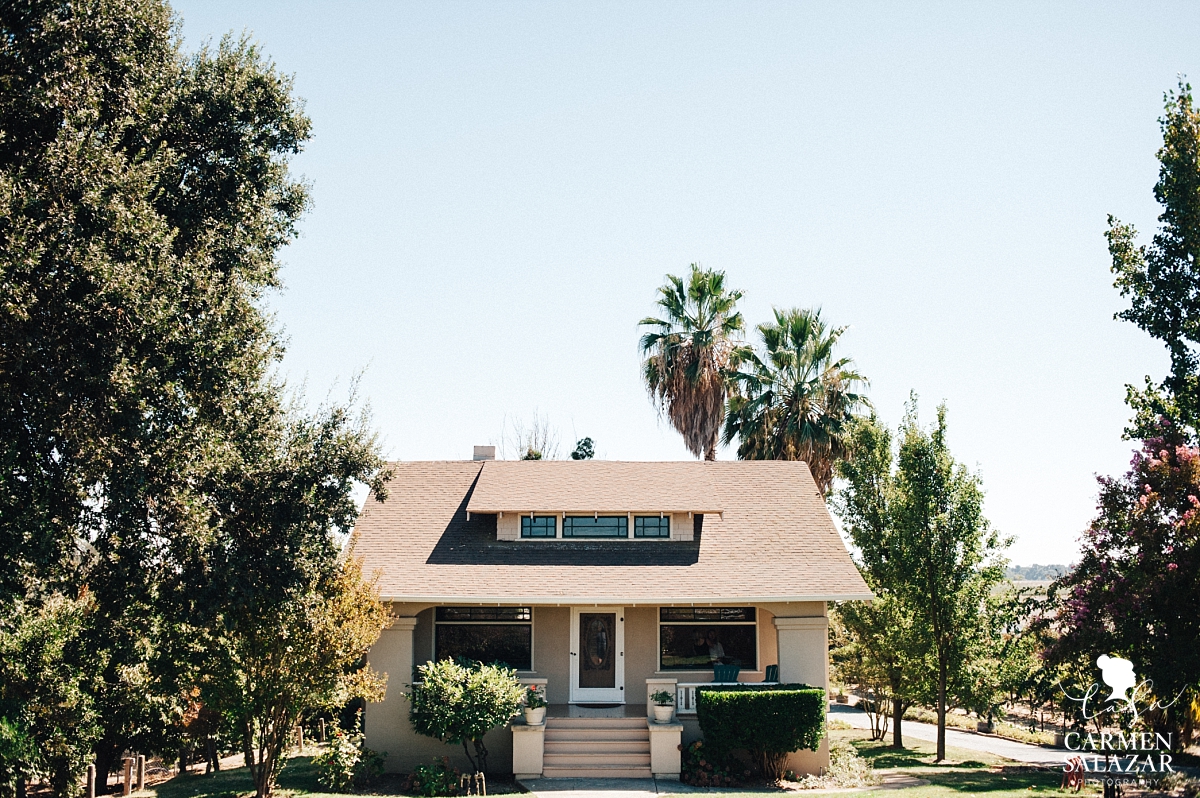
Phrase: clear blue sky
(500, 187)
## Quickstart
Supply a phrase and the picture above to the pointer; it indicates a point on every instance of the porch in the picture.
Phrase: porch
(597, 666)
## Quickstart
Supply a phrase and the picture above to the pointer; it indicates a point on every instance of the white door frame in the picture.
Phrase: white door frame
(604, 695)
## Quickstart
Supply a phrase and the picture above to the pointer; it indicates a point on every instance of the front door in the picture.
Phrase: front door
(597, 655)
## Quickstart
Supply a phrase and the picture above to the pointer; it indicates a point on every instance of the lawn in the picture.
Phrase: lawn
(964, 773)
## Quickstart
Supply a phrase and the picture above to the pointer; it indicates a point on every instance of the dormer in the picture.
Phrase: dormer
(566, 500)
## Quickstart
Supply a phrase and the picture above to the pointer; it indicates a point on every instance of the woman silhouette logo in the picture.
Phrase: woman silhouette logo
(1117, 673)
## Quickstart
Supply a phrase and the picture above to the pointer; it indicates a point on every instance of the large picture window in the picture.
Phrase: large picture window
(589, 526)
(696, 638)
(485, 634)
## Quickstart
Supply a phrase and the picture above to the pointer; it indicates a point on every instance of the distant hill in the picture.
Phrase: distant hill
(1035, 572)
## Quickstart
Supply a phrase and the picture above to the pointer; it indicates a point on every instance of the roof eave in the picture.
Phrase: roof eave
(590, 510)
(594, 601)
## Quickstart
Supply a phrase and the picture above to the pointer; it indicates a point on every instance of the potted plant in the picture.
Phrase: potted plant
(664, 705)
(535, 706)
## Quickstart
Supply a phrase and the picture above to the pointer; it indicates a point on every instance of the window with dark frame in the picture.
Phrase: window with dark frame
(540, 526)
(485, 634)
(592, 526)
(696, 638)
(652, 526)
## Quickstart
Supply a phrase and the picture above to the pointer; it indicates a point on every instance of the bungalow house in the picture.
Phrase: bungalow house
(604, 582)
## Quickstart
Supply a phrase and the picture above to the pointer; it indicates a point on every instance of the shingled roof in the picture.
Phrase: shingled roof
(774, 539)
(591, 486)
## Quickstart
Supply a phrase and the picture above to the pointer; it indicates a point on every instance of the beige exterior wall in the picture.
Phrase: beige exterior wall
(508, 527)
(794, 636)
(552, 651)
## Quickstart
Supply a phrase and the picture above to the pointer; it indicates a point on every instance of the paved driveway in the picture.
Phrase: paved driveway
(1019, 752)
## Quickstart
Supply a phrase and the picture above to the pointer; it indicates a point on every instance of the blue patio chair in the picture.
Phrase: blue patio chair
(725, 673)
(772, 674)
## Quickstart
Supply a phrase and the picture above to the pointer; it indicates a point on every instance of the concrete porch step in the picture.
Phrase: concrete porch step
(639, 746)
(595, 723)
(607, 759)
(599, 735)
(611, 772)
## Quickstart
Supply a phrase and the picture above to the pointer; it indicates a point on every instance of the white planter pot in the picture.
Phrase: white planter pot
(535, 717)
(663, 714)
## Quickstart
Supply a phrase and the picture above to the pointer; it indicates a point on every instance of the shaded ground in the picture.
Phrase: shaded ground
(299, 778)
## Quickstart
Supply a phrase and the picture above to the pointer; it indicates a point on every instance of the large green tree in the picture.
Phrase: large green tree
(916, 517)
(794, 399)
(873, 645)
(689, 353)
(144, 197)
(1162, 279)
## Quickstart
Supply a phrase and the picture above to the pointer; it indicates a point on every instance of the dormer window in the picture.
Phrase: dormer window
(652, 526)
(539, 526)
(595, 526)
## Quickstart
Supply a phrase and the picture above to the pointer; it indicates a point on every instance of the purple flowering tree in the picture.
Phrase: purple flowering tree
(1136, 589)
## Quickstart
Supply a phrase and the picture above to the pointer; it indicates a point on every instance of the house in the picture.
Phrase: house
(604, 582)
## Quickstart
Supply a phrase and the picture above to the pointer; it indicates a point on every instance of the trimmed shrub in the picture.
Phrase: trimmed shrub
(460, 704)
(768, 721)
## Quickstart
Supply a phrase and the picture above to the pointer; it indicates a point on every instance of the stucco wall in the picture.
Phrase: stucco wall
(552, 652)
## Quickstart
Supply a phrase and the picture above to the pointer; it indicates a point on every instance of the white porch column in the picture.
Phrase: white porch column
(804, 657)
(804, 650)
(386, 723)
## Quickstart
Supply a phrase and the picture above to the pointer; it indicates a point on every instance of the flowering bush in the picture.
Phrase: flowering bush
(347, 763)
(436, 778)
(701, 771)
(534, 699)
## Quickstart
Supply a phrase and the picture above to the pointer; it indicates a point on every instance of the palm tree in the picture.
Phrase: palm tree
(689, 354)
(794, 400)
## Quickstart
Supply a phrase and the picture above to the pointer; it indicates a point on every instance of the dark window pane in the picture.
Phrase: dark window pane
(651, 526)
(510, 644)
(707, 614)
(544, 526)
(587, 526)
(701, 647)
(484, 614)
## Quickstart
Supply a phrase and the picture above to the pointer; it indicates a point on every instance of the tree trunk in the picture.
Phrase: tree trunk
(106, 755)
(481, 753)
(941, 710)
(264, 776)
(471, 759)
(897, 716)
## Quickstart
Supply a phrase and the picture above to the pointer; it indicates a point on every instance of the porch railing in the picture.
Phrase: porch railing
(685, 695)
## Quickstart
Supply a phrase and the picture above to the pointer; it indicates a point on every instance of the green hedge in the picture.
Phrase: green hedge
(768, 721)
